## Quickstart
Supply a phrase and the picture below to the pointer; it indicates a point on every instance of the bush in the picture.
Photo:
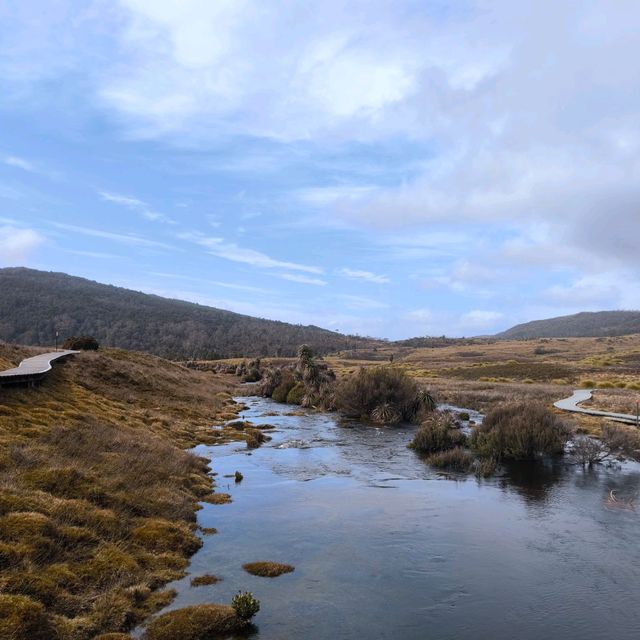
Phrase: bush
(245, 605)
(381, 394)
(281, 392)
(198, 622)
(81, 343)
(296, 394)
(252, 375)
(589, 451)
(622, 442)
(520, 431)
(456, 459)
(437, 433)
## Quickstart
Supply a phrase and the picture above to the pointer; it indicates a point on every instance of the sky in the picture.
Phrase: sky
(391, 168)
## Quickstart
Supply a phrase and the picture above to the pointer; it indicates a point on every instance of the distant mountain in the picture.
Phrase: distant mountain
(586, 324)
(34, 304)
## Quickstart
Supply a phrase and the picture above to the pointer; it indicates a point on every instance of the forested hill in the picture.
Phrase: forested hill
(586, 324)
(33, 304)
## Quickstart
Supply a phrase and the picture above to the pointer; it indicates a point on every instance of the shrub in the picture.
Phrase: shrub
(281, 392)
(198, 622)
(252, 375)
(485, 467)
(622, 442)
(245, 605)
(521, 431)
(437, 433)
(267, 569)
(381, 394)
(296, 393)
(81, 343)
(589, 451)
(456, 459)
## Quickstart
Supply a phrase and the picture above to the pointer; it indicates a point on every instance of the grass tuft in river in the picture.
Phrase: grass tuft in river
(267, 569)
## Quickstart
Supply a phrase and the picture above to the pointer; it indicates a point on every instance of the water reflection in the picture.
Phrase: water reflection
(386, 548)
(535, 480)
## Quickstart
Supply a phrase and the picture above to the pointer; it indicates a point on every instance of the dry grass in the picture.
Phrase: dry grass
(202, 581)
(97, 495)
(267, 569)
(199, 622)
(616, 400)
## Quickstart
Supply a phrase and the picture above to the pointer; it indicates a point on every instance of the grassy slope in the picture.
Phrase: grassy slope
(97, 495)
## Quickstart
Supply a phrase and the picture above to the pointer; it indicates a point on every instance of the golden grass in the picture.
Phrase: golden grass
(207, 579)
(267, 569)
(199, 622)
(97, 494)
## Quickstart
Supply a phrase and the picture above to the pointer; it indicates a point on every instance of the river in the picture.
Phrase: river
(387, 548)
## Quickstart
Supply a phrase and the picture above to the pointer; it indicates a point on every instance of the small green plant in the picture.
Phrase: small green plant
(238, 476)
(245, 605)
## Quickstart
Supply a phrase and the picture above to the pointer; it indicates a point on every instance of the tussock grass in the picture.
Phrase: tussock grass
(201, 581)
(199, 622)
(97, 493)
(456, 459)
(267, 569)
(437, 433)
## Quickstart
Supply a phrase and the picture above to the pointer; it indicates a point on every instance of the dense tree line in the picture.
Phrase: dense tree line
(36, 304)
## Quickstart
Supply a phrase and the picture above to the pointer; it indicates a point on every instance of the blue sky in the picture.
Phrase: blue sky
(383, 168)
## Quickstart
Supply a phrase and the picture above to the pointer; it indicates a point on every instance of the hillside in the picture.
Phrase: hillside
(33, 304)
(98, 498)
(579, 325)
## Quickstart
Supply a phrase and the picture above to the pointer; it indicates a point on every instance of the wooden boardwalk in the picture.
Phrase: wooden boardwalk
(581, 395)
(32, 370)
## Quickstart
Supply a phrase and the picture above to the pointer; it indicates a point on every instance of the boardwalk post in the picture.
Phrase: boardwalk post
(57, 340)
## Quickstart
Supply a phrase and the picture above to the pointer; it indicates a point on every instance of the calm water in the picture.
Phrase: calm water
(384, 547)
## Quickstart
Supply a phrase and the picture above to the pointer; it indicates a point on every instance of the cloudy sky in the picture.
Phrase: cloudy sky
(390, 168)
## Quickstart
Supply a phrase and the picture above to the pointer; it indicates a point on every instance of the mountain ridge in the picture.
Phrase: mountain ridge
(586, 324)
(34, 304)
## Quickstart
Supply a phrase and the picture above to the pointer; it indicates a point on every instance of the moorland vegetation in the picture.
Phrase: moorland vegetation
(98, 496)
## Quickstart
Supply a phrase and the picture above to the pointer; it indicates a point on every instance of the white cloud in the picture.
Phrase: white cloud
(125, 201)
(231, 251)
(123, 238)
(20, 163)
(358, 274)
(16, 244)
(294, 277)
(135, 204)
